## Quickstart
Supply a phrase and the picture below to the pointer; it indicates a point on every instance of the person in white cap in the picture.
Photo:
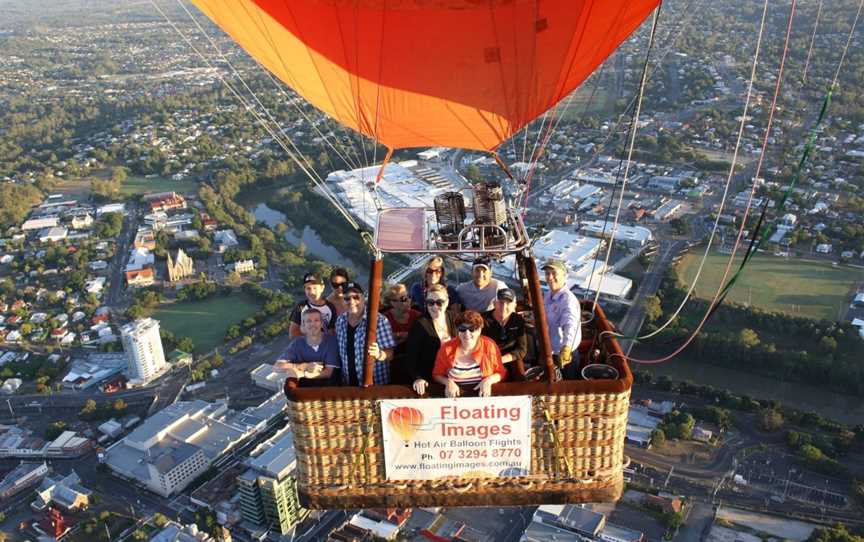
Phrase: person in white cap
(564, 319)
(479, 294)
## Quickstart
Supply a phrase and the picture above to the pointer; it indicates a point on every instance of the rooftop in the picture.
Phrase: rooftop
(277, 458)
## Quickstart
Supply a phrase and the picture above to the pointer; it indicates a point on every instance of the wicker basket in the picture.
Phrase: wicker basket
(577, 446)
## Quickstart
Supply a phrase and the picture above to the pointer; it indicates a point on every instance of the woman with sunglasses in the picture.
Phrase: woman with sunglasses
(338, 278)
(426, 335)
(401, 317)
(434, 274)
(469, 360)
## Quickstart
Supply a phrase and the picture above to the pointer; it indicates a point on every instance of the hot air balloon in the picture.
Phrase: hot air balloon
(404, 421)
(454, 73)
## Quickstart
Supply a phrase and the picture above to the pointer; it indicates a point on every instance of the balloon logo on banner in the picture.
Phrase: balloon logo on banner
(404, 422)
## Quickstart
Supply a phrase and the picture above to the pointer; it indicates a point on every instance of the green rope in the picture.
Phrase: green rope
(761, 233)
(556, 443)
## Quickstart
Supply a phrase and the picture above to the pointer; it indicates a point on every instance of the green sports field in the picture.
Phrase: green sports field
(801, 287)
(142, 185)
(206, 322)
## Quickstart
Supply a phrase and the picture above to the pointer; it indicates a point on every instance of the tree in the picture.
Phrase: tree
(828, 344)
(55, 430)
(658, 438)
(472, 173)
(119, 175)
(811, 453)
(185, 344)
(88, 410)
(119, 406)
(160, 520)
(653, 308)
(104, 189)
(770, 419)
(748, 338)
(837, 533)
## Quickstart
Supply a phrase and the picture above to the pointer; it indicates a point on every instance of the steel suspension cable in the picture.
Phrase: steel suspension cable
(731, 174)
(249, 107)
(759, 233)
(237, 74)
(812, 41)
(642, 84)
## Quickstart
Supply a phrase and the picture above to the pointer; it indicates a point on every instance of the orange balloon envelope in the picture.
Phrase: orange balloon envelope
(404, 421)
(420, 73)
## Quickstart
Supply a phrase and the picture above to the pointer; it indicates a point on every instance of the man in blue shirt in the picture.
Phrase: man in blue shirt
(313, 358)
(351, 335)
(564, 318)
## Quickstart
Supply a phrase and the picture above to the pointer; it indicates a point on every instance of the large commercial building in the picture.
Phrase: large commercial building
(631, 235)
(144, 354)
(268, 489)
(177, 444)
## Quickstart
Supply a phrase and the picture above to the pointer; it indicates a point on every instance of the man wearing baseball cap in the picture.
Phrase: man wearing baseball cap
(313, 286)
(479, 294)
(351, 336)
(506, 327)
(563, 317)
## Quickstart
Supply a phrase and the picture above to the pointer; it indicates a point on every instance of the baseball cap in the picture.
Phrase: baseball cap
(506, 294)
(314, 278)
(557, 265)
(481, 262)
(352, 287)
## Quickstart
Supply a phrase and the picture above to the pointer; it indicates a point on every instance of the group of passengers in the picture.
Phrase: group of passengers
(464, 338)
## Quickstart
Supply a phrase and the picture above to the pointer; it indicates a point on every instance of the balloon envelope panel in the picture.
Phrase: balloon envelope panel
(417, 73)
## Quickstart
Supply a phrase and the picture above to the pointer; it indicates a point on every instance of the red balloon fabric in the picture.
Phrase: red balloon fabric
(419, 73)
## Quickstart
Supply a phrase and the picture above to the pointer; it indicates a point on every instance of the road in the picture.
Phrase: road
(632, 321)
(116, 270)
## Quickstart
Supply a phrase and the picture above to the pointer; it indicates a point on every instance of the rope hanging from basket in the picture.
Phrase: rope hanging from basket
(556, 442)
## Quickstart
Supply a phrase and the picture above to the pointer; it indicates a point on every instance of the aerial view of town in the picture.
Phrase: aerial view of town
(193, 237)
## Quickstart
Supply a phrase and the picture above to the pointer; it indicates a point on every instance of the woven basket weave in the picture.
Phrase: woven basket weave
(577, 444)
(340, 454)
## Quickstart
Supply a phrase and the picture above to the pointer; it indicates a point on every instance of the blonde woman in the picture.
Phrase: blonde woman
(426, 335)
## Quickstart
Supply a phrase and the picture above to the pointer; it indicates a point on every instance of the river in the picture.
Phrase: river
(255, 200)
(844, 408)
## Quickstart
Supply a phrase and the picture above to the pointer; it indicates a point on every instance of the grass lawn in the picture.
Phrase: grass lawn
(583, 103)
(80, 188)
(141, 185)
(805, 288)
(206, 322)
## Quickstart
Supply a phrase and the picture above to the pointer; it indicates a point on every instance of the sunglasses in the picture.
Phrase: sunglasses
(337, 284)
(436, 302)
(431, 271)
(403, 299)
(466, 327)
(353, 297)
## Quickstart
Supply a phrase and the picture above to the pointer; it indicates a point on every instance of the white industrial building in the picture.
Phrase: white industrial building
(631, 235)
(584, 259)
(144, 354)
(270, 377)
(177, 444)
(403, 184)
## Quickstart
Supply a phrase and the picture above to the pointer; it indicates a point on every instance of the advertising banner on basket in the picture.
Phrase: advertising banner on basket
(469, 437)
